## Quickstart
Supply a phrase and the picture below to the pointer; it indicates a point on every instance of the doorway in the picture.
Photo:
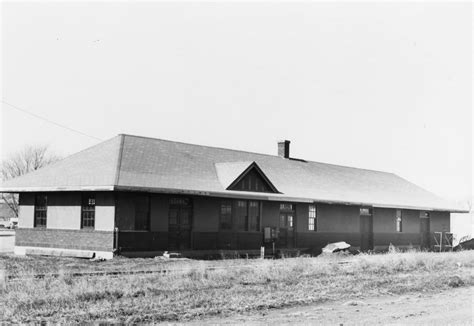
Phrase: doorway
(425, 230)
(286, 237)
(366, 229)
(179, 224)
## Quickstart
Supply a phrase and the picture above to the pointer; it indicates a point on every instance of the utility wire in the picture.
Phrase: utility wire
(50, 121)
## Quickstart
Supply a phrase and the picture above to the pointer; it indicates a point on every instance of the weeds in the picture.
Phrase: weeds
(194, 289)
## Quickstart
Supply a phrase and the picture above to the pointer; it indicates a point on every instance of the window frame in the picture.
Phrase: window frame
(257, 209)
(312, 220)
(366, 211)
(38, 210)
(240, 218)
(140, 209)
(227, 204)
(88, 209)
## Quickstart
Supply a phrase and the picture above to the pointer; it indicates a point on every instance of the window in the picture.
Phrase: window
(133, 211)
(399, 220)
(88, 211)
(226, 215)
(286, 207)
(366, 211)
(312, 221)
(142, 212)
(290, 221)
(254, 216)
(282, 221)
(424, 214)
(41, 208)
(179, 201)
(241, 215)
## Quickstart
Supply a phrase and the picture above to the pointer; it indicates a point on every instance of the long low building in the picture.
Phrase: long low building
(138, 195)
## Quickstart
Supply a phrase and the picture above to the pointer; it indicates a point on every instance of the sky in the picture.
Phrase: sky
(384, 86)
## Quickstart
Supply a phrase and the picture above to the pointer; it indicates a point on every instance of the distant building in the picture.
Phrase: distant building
(137, 195)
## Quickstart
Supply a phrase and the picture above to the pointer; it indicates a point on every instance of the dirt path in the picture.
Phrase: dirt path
(453, 307)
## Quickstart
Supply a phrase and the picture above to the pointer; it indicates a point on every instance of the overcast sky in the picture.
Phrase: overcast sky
(384, 86)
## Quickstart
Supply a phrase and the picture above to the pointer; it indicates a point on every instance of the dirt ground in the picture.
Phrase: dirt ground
(453, 307)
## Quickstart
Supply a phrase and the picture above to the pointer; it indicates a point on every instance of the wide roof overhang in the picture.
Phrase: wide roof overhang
(228, 194)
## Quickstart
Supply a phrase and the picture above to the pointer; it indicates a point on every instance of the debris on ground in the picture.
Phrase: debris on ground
(167, 254)
(336, 247)
(355, 303)
(465, 245)
(455, 281)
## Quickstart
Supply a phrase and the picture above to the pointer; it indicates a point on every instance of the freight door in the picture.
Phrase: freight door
(366, 230)
(179, 224)
(425, 230)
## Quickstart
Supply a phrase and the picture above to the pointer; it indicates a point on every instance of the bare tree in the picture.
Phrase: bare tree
(29, 159)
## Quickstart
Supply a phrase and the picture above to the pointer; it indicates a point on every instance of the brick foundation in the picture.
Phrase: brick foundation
(66, 239)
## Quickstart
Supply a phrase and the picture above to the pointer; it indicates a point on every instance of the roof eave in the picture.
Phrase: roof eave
(56, 188)
(280, 197)
(226, 194)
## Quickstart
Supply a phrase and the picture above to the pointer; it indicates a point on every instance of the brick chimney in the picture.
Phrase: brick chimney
(284, 148)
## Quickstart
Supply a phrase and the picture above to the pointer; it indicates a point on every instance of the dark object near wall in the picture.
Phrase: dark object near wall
(455, 281)
(465, 245)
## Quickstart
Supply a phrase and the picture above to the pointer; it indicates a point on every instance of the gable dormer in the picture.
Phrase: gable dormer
(244, 176)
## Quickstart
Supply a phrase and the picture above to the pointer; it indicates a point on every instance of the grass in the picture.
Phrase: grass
(195, 289)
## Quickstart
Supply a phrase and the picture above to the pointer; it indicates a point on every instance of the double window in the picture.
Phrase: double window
(41, 211)
(88, 211)
(133, 210)
(312, 218)
(240, 215)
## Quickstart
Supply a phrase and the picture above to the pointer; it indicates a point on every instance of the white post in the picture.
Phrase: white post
(262, 252)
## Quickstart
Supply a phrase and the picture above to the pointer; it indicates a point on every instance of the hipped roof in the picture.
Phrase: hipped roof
(136, 163)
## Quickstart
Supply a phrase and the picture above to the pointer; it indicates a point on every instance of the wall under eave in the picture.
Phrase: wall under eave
(63, 223)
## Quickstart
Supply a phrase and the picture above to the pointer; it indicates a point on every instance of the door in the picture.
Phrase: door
(287, 231)
(179, 224)
(425, 231)
(366, 230)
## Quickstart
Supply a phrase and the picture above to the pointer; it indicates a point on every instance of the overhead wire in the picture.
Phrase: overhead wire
(49, 121)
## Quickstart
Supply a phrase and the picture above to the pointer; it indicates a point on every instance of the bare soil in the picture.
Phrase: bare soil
(451, 307)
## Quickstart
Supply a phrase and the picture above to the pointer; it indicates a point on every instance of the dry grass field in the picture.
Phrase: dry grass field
(182, 290)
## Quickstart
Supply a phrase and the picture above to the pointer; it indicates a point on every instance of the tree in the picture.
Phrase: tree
(29, 159)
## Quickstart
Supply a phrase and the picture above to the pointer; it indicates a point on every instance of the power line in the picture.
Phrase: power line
(50, 121)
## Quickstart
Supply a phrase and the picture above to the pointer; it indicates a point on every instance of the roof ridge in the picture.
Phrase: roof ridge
(184, 143)
(255, 153)
(119, 160)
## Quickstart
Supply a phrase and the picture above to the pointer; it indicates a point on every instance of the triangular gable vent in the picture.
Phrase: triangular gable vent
(249, 177)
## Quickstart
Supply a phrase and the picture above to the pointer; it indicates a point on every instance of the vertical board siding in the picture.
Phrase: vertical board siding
(334, 223)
